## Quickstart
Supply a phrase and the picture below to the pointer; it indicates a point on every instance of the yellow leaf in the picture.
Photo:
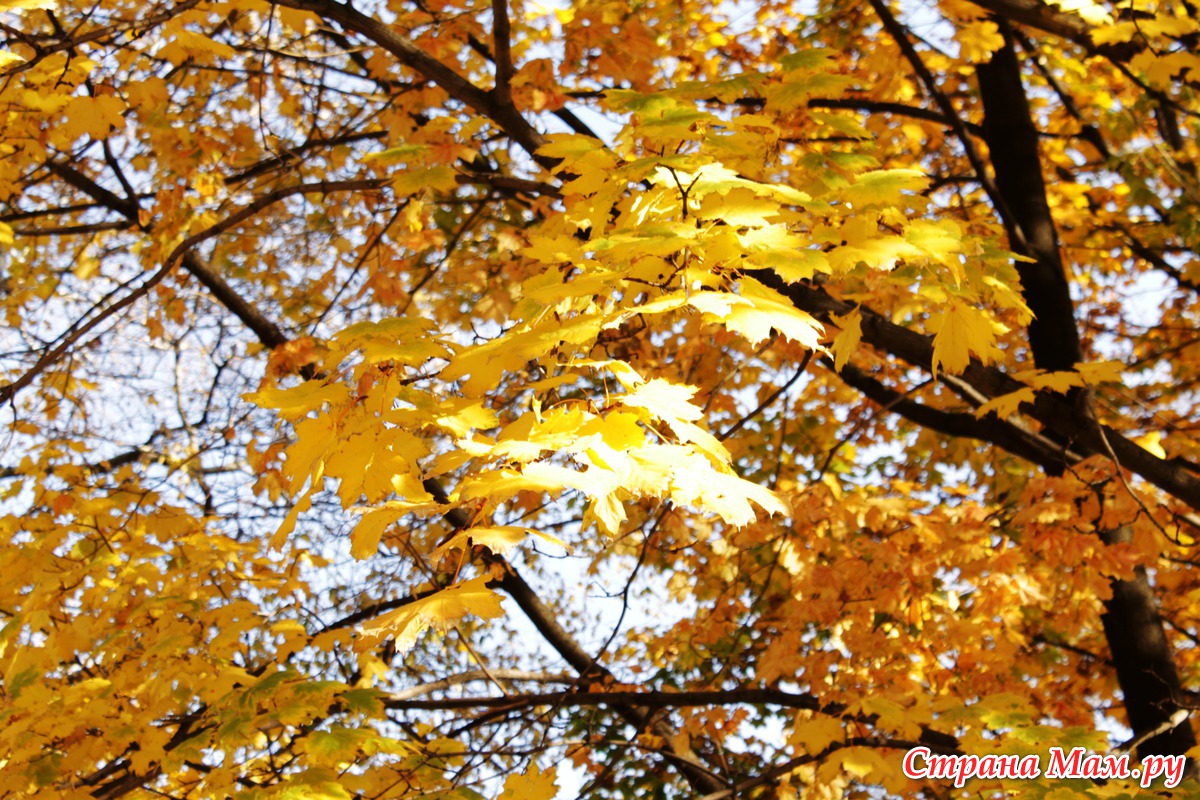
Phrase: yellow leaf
(94, 116)
(814, 735)
(499, 539)
(364, 539)
(568, 145)
(1102, 372)
(402, 339)
(435, 179)
(1115, 33)
(26, 5)
(884, 187)
(608, 512)
(940, 240)
(202, 45)
(738, 208)
(303, 504)
(314, 438)
(439, 611)
(664, 399)
(848, 338)
(1056, 381)
(756, 311)
(504, 483)
(532, 785)
(978, 40)
(1092, 12)
(672, 404)
(1006, 404)
(301, 399)
(964, 330)
(1151, 443)
(403, 154)
(862, 761)
(485, 363)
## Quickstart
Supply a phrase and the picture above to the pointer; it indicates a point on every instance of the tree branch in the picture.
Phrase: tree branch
(501, 35)
(1012, 140)
(1049, 19)
(545, 620)
(266, 330)
(506, 117)
(405, 695)
(80, 329)
(900, 35)
(900, 109)
(1053, 411)
(1001, 433)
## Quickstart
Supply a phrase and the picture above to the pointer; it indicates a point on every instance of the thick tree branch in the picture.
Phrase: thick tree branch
(292, 154)
(619, 698)
(1159, 262)
(1026, 444)
(405, 695)
(1048, 18)
(126, 207)
(1142, 656)
(1051, 410)
(266, 330)
(1012, 140)
(501, 35)
(564, 114)
(522, 185)
(1144, 662)
(58, 211)
(642, 700)
(107, 465)
(73, 230)
(506, 117)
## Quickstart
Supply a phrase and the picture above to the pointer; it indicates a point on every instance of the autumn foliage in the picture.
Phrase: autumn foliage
(473, 399)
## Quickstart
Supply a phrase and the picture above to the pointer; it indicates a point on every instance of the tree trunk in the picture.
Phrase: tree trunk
(1140, 650)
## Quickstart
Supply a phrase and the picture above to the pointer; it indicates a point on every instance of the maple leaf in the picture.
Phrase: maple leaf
(533, 784)
(438, 610)
(757, 310)
(964, 330)
(497, 538)
(299, 400)
(848, 338)
(1006, 405)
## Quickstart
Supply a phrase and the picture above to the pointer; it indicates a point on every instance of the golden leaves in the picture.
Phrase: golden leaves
(94, 116)
(533, 784)
(847, 339)
(26, 5)
(757, 310)
(964, 330)
(1087, 374)
(439, 610)
(977, 40)
(501, 539)
(887, 187)
(299, 400)
(591, 358)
